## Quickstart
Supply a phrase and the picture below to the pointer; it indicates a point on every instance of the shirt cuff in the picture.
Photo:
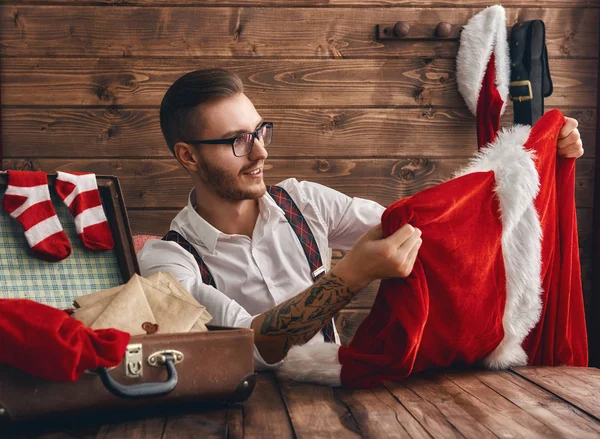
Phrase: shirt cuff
(259, 362)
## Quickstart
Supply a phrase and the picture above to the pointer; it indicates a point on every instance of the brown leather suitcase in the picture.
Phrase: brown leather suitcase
(160, 369)
(214, 366)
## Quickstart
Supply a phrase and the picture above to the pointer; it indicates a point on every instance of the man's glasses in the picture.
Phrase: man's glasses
(242, 143)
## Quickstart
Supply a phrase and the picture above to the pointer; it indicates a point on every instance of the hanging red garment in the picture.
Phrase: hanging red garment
(560, 337)
(493, 238)
(497, 280)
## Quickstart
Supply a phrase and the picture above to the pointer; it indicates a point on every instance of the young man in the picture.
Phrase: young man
(262, 278)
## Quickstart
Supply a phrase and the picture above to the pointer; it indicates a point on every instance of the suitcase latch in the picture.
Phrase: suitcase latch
(159, 358)
(133, 360)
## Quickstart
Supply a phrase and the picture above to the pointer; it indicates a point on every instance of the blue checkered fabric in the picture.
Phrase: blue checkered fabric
(24, 276)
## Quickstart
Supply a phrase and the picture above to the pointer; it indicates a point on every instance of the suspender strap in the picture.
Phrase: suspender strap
(301, 229)
(307, 240)
(530, 72)
(207, 277)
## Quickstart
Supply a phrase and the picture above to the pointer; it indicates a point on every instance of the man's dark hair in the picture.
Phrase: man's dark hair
(189, 91)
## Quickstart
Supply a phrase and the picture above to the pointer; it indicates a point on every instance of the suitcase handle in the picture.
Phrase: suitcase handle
(143, 390)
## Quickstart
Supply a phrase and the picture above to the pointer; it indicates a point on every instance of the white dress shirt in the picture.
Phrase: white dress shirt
(254, 275)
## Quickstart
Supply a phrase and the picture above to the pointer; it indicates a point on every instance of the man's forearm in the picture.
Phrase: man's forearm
(298, 319)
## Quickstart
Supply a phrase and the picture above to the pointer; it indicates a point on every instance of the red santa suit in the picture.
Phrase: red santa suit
(497, 279)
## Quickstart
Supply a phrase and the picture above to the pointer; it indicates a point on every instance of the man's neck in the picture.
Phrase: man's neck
(229, 217)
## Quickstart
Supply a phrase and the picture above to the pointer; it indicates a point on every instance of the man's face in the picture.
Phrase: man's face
(220, 170)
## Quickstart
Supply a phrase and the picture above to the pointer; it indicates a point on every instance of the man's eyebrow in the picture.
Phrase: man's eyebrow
(235, 133)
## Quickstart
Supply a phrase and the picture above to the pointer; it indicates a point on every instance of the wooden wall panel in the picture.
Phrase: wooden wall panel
(330, 132)
(281, 83)
(316, 3)
(82, 83)
(31, 31)
(164, 184)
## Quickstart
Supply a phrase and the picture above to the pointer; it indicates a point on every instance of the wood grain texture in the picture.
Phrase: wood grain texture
(131, 132)
(47, 31)
(450, 403)
(151, 428)
(490, 409)
(319, 3)
(379, 415)
(162, 183)
(568, 386)
(430, 418)
(265, 410)
(281, 83)
(565, 421)
(316, 412)
(205, 424)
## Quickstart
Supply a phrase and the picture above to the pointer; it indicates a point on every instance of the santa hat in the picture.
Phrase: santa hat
(475, 292)
(483, 70)
(48, 343)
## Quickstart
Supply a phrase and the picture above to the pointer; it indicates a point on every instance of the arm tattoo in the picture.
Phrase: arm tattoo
(301, 317)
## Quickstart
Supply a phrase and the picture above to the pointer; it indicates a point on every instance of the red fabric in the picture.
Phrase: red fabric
(489, 106)
(560, 337)
(96, 236)
(449, 311)
(47, 343)
(54, 245)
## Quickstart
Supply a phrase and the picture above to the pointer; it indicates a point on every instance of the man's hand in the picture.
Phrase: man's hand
(298, 319)
(373, 257)
(569, 140)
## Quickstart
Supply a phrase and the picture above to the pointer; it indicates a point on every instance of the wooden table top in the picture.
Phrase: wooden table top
(527, 402)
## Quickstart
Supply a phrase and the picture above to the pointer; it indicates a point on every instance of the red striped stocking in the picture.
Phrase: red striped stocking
(27, 199)
(79, 191)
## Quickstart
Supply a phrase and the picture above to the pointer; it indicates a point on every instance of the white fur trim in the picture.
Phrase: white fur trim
(316, 362)
(484, 33)
(517, 185)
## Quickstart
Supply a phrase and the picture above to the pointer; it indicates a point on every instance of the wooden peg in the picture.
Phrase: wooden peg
(443, 29)
(401, 29)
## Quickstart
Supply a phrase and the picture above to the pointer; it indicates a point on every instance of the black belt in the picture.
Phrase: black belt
(530, 78)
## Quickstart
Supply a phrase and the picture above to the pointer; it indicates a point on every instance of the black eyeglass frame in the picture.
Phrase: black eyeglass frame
(231, 141)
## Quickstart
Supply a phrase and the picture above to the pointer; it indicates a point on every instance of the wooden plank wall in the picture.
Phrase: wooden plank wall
(82, 83)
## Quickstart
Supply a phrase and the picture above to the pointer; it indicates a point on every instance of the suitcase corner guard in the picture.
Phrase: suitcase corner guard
(244, 388)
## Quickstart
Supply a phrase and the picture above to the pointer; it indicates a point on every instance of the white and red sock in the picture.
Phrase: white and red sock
(27, 199)
(79, 191)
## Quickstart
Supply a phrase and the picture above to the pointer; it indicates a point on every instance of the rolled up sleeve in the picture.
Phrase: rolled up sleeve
(165, 256)
(346, 218)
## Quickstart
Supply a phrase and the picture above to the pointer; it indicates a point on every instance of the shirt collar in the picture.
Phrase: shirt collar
(207, 234)
(202, 229)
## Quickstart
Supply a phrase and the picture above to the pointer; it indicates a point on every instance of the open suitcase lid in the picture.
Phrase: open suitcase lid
(214, 366)
(84, 271)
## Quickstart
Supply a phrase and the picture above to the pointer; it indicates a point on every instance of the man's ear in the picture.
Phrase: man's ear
(187, 156)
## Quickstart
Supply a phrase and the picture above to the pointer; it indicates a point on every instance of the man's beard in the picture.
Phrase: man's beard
(224, 184)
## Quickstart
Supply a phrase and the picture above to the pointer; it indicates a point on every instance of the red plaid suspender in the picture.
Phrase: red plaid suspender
(207, 277)
(307, 240)
(302, 231)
